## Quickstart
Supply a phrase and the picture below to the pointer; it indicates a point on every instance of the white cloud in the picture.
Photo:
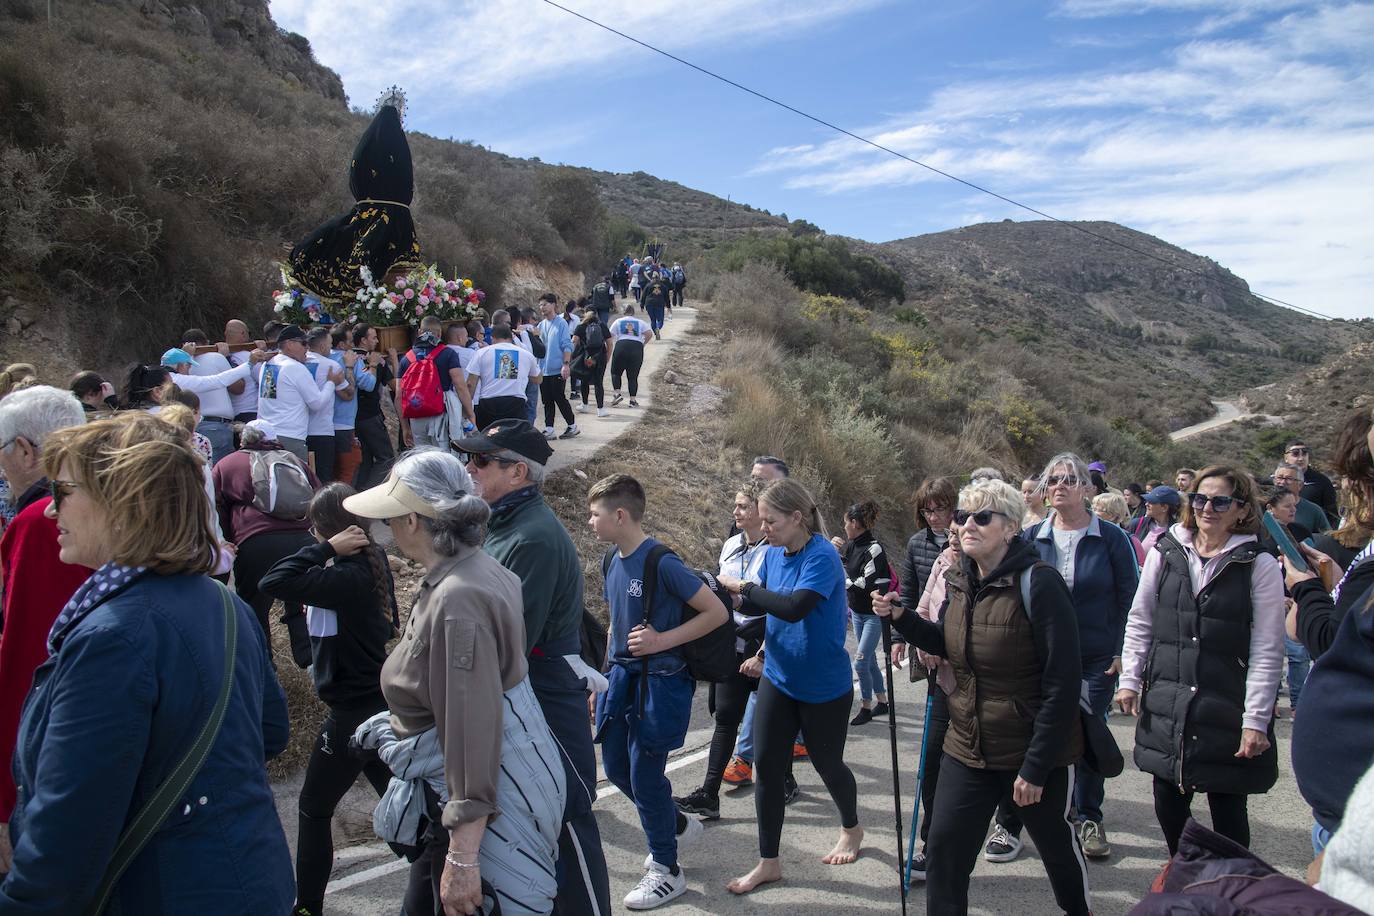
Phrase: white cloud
(1255, 151)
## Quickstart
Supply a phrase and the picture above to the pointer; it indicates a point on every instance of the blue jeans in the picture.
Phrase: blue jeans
(634, 750)
(868, 631)
(655, 316)
(1089, 787)
(221, 436)
(1320, 837)
(744, 747)
(1298, 664)
(532, 396)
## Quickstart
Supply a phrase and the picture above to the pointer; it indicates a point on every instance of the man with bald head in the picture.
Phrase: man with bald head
(245, 402)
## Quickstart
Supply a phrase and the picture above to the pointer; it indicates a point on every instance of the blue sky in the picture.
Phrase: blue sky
(1239, 129)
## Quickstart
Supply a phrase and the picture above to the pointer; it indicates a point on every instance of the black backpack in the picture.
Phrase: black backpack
(709, 658)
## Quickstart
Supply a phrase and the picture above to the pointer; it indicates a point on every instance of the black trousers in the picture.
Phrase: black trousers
(377, 452)
(323, 448)
(935, 744)
(552, 391)
(255, 557)
(777, 717)
(729, 698)
(965, 802)
(594, 378)
(489, 410)
(1230, 817)
(675, 298)
(329, 775)
(627, 359)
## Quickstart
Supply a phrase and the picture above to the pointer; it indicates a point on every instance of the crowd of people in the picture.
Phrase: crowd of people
(147, 537)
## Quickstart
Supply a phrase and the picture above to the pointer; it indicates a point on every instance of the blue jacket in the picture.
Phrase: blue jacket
(107, 719)
(1104, 581)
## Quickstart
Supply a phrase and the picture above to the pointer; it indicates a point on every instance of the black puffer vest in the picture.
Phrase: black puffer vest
(1194, 682)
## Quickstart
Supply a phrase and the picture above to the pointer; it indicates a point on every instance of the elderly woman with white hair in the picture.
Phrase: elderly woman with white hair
(459, 681)
(1014, 722)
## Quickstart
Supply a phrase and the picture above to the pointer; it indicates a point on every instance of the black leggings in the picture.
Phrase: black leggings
(1173, 808)
(509, 407)
(934, 739)
(965, 803)
(329, 775)
(595, 377)
(627, 358)
(255, 557)
(730, 698)
(777, 717)
(552, 392)
(378, 452)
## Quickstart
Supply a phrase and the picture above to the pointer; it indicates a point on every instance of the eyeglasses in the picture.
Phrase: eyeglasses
(1199, 502)
(8, 442)
(935, 510)
(1067, 480)
(60, 490)
(479, 460)
(1297, 450)
(981, 519)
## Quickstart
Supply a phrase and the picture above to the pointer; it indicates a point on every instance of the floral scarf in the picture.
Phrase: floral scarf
(104, 583)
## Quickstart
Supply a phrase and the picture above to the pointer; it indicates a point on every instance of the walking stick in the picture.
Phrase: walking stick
(920, 784)
(892, 735)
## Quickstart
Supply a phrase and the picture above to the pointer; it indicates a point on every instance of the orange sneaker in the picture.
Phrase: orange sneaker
(739, 773)
(799, 751)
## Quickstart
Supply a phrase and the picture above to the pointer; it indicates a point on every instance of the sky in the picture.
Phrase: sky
(1242, 130)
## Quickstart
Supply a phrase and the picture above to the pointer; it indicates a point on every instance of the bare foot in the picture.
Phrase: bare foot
(766, 872)
(847, 849)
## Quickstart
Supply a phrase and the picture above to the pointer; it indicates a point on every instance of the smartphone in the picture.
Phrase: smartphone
(1286, 545)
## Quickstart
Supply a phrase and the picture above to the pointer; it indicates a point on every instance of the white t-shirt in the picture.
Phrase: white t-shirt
(287, 392)
(322, 420)
(210, 386)
(504, 368)
(1065, 548)
(248, 401)
(629, 327)
(743, 560)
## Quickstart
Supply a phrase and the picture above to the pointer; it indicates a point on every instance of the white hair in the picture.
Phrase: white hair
(36, 413)
(997, 495)
(441, 481)
(534, 471)
(1077, 466)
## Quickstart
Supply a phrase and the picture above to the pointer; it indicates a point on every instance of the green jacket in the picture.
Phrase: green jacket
(528, 539)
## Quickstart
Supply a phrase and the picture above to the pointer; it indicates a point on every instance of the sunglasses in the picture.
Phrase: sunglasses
(1219, 503)
(60, 490)
(981, 519)
(478, 460)
(1067, 480)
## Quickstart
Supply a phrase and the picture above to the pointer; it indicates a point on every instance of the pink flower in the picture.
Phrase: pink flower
(401, 283)
(419, 310)
(424, 300)
(395, 299)
(409, 293)
(450, 285)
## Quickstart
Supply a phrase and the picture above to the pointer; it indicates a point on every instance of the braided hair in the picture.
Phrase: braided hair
(329, 517)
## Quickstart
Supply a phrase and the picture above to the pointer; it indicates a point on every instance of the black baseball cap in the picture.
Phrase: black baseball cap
(290, 332)
(509, 435)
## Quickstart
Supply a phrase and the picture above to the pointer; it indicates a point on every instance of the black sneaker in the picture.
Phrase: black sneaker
(572, 432)
(918, 867)
(863, 718)
(701, 804)
(790, 790)
(880, 710)
(633, 402)
(617, 399)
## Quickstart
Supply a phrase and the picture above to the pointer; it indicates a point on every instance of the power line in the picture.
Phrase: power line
(900, 155)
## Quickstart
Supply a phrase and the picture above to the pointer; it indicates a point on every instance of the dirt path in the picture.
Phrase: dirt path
(1227, 412)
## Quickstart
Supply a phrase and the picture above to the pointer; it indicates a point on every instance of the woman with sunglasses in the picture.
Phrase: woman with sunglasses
(1202, 659)
(345, 581)
(136, 669)
(1013, 708)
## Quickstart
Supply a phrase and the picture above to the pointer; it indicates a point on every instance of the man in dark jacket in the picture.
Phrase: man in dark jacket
(507, 460)
(1316, 486)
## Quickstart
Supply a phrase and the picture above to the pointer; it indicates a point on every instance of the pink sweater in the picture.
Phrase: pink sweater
(931, 600)
(1266, 627)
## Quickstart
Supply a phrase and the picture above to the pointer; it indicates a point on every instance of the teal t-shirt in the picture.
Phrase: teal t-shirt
(807, 660)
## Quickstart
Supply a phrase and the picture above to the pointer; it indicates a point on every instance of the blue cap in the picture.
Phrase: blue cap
(1167, 495)
(176, 357)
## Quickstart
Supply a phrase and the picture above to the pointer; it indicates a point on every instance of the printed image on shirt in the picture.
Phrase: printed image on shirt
(627, 328)
(268, 388)
(508, 365)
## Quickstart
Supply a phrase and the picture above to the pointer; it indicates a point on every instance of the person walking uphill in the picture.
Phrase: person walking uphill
(866, 571)
(644, 713)
(556, 366)
(1013, 713)
(806, 676)
(656, 299)
(507, 460)
(1202, 660)
(151, 662)
(1098, 563)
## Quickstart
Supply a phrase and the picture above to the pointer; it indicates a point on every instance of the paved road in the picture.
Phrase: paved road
(369, 881)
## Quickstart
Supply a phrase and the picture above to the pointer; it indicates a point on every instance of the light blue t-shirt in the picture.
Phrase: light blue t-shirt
(807, 660)
(557, 337)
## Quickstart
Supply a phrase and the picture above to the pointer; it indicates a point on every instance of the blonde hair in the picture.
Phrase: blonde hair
(997, 495)
(14, 376)
(788, 496)
(151, 484)
(1111, 506)
(179, 416)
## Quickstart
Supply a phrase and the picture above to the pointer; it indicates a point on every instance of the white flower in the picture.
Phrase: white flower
(366, 273)
(279, 308)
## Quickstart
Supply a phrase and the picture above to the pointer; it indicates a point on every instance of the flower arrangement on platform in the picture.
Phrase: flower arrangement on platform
(295, 306)
(421, 292)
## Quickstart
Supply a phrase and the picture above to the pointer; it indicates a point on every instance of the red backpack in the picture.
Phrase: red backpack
(421, 393)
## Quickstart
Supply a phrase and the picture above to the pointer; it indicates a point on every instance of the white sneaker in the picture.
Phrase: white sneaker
(689, 835)
(549, 433)
(602, 412)
(656, 888)
(583, 408)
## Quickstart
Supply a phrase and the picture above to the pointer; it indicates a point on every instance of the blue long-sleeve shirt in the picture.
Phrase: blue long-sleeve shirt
(557, 337)
(346, 412)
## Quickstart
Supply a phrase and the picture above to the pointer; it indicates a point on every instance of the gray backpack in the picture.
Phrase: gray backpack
(281, 488)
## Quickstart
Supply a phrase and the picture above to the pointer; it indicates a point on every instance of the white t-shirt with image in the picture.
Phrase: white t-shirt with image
(505, 370)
